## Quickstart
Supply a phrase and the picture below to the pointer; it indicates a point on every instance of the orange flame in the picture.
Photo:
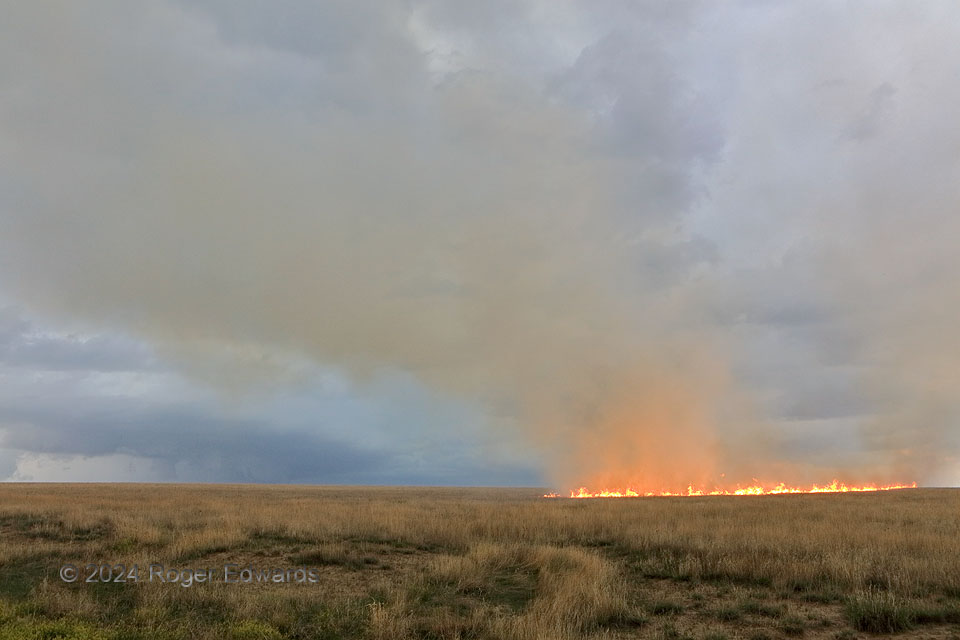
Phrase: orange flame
(754, 490)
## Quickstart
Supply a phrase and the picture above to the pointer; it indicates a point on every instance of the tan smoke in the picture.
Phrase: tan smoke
(481, 249)
(468, 231)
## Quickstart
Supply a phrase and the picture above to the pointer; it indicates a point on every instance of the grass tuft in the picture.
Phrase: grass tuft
(793, 626)
(878, 611)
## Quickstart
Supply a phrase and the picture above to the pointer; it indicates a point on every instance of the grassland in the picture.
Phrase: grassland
(497, 564)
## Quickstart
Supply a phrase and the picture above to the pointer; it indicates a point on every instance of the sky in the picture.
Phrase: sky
(504, 243)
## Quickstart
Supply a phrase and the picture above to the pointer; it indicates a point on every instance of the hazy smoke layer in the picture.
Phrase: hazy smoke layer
(417, 189)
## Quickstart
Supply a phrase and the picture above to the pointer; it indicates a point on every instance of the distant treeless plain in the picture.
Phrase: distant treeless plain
(394, 563)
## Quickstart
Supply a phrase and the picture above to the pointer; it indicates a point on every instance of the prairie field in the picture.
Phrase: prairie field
(441, 563)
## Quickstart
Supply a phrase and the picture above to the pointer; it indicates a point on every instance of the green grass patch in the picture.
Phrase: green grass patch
(879, 611)
(37, 528)
(666, 608)
(623, 620)
(323, 558)
(344, 620)
(116, 599)
(254, 630)
(670, 632)
(757, 608)
(726, 614)
(125, 545)
(274, 537)
(203, 551)
(33, 629)
(17, 578)
(942, 614)
(512, 588)
(400, 545)
(825, 596)
(793, 626)
(199, 609)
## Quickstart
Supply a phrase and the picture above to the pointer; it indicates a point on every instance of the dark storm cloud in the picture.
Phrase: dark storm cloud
(189, 441)
(205, 441)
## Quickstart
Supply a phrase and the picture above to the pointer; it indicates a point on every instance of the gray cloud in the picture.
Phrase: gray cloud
(107, 425)
(866, 124)
(24, 344)
(196, 446)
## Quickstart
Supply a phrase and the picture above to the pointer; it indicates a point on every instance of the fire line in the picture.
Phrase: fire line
(754, 490)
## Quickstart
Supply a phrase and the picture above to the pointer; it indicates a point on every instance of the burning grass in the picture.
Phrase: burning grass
(485, 564)
(751, 490)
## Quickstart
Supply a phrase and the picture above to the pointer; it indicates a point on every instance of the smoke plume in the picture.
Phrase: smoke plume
(560, 239)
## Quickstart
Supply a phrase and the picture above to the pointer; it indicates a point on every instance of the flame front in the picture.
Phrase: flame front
(753, 490)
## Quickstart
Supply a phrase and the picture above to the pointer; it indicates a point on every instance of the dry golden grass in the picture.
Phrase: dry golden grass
(397, 563)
